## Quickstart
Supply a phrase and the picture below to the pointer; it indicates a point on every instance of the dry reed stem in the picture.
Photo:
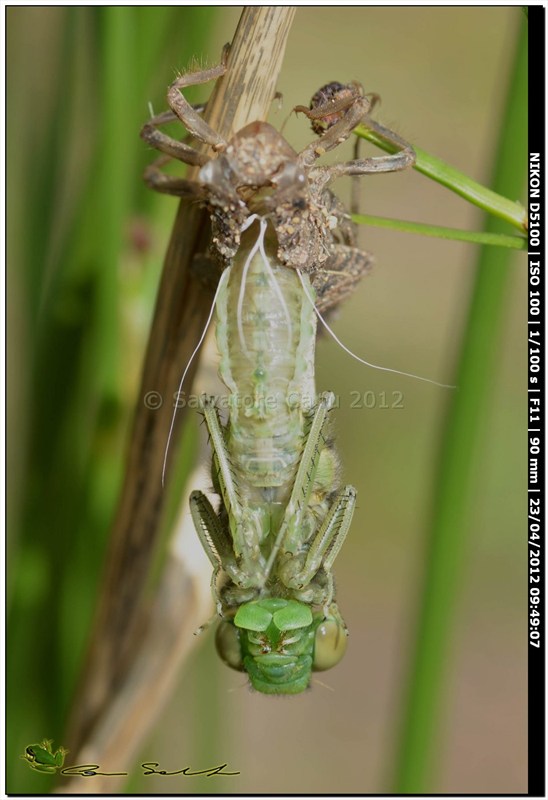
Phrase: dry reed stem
(243, 95)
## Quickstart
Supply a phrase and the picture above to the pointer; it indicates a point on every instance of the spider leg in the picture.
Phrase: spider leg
(167, 144)
(341, 109)
(190, 118)
(355, 107)
(404, 158)
(167, 184)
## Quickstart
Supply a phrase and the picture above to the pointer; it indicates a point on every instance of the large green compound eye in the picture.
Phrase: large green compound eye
(329, 645)
(227, 642)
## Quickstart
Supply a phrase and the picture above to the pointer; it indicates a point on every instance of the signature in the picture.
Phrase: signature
(148, 767)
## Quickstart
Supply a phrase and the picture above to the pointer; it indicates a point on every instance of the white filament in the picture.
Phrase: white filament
(361, 360)
(224, 277)
(318, 682)
(247, 264)
(276, 289)
(259, 246)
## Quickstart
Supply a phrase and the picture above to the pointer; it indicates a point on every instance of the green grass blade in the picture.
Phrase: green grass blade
(447, 538)
(75, 189)
(440, 232)
(441, 172)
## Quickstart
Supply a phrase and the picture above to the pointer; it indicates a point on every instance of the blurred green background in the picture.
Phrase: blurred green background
(85, 248)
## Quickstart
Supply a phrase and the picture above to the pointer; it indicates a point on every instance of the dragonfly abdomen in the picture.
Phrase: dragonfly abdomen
(266, 337)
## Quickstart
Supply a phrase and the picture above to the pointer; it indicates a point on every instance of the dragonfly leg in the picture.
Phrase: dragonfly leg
(290, 535)
(306, 473)
(221, 456)
(333, 612)
(328, 602)
(207, 624)
(244, 526)
(324, 547)
(217, 543)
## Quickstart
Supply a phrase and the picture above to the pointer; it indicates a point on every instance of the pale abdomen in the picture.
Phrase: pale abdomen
(266, 340)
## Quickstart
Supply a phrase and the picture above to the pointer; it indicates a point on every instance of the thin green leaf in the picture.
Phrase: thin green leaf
(457, 182)
(440, 232)
(449, 530)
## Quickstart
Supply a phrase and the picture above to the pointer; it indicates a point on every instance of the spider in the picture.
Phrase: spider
(258, 172)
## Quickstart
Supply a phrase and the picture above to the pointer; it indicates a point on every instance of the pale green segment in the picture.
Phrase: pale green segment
(253, 617)
(293, 616)
(266, 345)
(286, 615)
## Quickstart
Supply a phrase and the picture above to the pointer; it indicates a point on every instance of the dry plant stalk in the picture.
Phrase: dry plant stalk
(183, 599)
(243, 95)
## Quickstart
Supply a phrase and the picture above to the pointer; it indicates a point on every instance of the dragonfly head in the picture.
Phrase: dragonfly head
(279, 642)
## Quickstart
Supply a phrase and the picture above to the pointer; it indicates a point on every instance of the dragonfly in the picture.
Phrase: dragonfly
(286, 249)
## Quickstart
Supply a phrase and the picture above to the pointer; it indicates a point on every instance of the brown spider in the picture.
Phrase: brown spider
(258, 172)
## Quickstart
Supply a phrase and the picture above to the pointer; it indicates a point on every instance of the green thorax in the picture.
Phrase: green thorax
(279, 642)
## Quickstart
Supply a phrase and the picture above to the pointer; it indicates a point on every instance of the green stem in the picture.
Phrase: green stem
(477, 237)
(457, 182)
(448, 536)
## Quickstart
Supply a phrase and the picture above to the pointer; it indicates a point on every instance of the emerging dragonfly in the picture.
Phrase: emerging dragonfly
(284, 242)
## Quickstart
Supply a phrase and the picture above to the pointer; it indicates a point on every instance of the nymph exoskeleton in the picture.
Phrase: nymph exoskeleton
(282, 239)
